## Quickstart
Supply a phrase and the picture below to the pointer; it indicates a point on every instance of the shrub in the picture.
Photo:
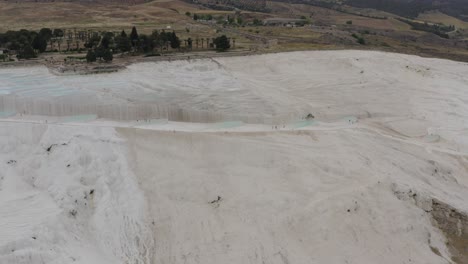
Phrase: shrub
(257, 22)
(91, 56)
(107, 55)
(361, 41)
(222, 43)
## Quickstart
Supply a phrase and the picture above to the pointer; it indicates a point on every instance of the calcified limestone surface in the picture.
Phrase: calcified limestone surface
(378, 175)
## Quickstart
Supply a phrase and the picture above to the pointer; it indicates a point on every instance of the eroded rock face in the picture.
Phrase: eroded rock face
(452, 222)
(455, 226)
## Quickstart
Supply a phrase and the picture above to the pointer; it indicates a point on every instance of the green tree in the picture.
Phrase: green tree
(93, 42)
(222, 43)
(123, 43)
(58, 33)
(107, 55)
(156, 38)
(91, 56)
(190, 43)
(99, 51)
(134, 37)
(361, 41)
(257, 22)
(175, 41)
(14, 45)
(107, 40)
(146, 43)
(39, 43)
(46, 33)
(27, 52)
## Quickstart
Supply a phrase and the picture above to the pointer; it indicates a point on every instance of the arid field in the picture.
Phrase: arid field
(304, 157)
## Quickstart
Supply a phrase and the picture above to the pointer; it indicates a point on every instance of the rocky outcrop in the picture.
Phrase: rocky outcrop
(454, 224)
(450, 220)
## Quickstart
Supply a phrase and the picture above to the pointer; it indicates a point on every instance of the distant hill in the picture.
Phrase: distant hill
(405, 8)
(412, 8)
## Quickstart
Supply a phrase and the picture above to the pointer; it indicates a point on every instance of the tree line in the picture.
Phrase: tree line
(103, 46)
(100, 46)
(438, 29)
(28, 43)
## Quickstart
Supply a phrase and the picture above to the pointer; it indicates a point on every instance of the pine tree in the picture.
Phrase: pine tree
(175, 41)
(134, 36)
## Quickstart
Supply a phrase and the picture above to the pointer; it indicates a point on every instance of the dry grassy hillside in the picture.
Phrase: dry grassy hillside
(29, 15)
(438, 17)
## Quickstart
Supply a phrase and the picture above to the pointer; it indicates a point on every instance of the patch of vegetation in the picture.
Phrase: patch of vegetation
(153, 55)
(257, 6)
(102, 47)
(217, 7)
(4, 57)
(222, 43)
(438, 29)
(359, 39)
(27, 52)
(385, 44)
(27, 43)
(203, 17)
(257, 22)
(91, 56)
